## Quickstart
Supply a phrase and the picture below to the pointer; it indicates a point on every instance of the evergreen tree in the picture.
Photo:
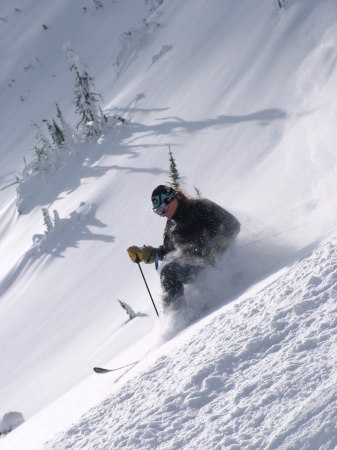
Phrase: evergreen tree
(197, 192)
(66, 129)
(43, 149)
(174, 174)
(87, 101)
(56, 134)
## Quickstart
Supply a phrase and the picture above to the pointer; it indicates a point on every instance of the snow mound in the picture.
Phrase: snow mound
(10, 421)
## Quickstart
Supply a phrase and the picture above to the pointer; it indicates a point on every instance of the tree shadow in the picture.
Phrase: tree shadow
(66, 233)
(123, 139)
(70, 231)
(171, 125)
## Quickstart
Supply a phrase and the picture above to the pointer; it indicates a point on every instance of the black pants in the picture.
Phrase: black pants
(173, 276)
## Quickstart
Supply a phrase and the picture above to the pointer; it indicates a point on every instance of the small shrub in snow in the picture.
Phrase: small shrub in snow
(47, 156)
(10, 421)
(98, 4)
(154, 4)
(44, 156)
(133, 40)
(130, 312)
(49, 153)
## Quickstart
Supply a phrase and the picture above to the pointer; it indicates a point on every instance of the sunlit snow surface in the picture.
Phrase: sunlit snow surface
(261, 373)
(244, 94)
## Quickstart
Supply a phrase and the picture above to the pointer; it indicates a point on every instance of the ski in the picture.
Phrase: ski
(103, 370)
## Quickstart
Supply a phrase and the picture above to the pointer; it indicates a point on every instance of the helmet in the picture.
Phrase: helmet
(162, 194)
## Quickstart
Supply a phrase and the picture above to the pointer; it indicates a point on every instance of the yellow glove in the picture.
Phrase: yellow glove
(135, 253)
(149, 254)
(139, 254)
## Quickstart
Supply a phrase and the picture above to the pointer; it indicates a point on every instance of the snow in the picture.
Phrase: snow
(243, 92)
(235, 373)
(10, 421)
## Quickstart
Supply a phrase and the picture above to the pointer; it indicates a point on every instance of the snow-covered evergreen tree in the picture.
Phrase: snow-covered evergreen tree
(47, 155)
(69, 137)
(44, 157)
(87, 101)
(57, 136)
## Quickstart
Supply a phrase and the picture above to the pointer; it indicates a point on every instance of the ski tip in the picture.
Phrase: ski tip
(100, 370)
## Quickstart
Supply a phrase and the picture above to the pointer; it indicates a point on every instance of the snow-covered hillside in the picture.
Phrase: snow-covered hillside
(243, 92)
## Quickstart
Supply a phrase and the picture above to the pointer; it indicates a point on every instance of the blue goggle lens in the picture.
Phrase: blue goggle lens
(157, 200)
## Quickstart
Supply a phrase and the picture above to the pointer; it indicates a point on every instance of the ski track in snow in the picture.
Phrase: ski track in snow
(237, 384)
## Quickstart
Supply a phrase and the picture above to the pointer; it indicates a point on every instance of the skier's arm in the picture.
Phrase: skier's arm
(217, 220)
(168, 245)
(149, 254)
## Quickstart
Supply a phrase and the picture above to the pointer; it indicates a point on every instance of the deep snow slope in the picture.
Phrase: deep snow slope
(261, 373)
(241, 91)
(258, 373)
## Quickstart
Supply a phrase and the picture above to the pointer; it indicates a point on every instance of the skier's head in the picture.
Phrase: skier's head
(161, 197)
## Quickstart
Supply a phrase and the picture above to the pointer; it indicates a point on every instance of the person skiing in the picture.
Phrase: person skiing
(197, 231)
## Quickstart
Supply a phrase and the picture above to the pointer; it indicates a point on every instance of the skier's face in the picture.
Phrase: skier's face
(172, 208)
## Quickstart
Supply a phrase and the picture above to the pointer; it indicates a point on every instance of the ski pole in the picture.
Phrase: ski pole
(138, 262)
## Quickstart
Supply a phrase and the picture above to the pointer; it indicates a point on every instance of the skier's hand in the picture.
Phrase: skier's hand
(135, 254)
(139, 254)
(219, 243)
(149, 254)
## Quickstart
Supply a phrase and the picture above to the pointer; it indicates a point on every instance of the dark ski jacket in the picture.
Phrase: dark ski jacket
(193, 227)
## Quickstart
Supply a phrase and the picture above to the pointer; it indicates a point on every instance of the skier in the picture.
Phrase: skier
(196, 232)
